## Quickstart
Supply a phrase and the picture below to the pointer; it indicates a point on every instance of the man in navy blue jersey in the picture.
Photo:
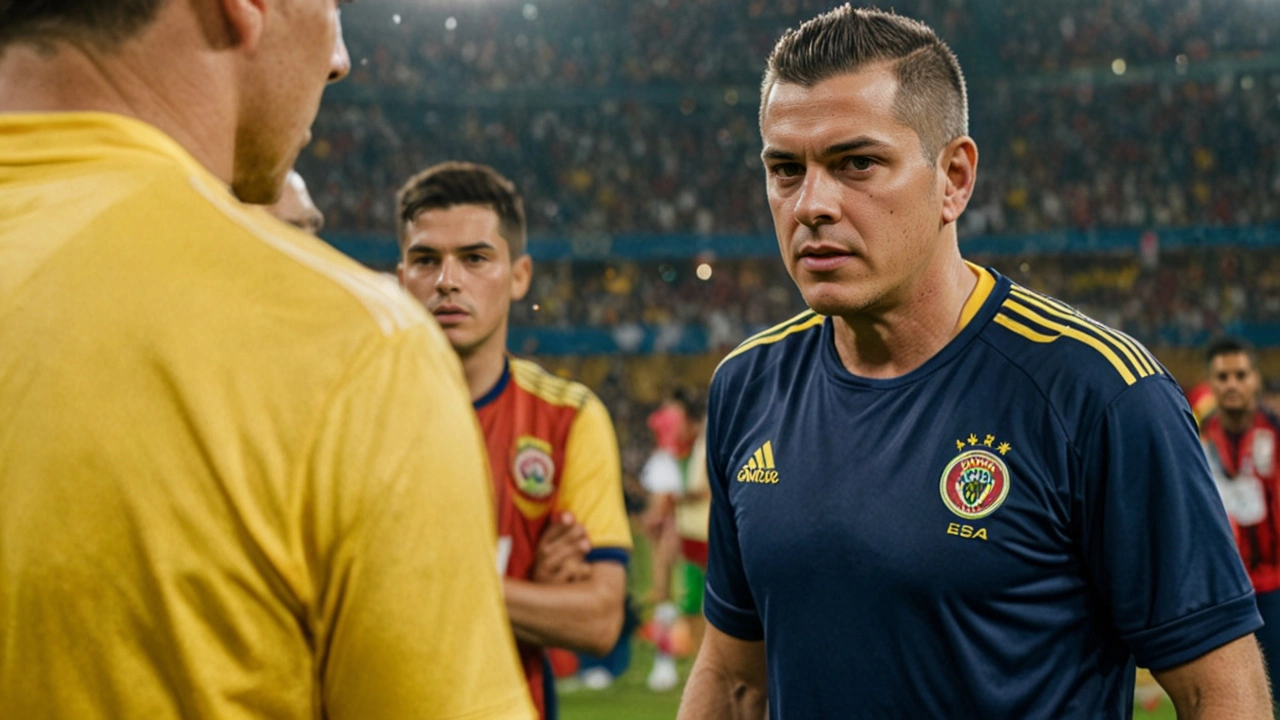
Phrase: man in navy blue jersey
(939, 494)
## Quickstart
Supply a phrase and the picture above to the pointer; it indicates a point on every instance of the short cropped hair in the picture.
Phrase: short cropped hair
(931, 97)
(102, 23)
(462, 183)
(1231, 346)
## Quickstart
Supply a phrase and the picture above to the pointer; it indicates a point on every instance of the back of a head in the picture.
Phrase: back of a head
(103, 23)
(462, 183)
(931, 96)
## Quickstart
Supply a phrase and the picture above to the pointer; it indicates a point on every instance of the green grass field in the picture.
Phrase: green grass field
(629, 699)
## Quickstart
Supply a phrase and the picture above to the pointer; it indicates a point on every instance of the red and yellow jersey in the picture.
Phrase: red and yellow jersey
(552, 449)
(1202, 402)
(1248, 478)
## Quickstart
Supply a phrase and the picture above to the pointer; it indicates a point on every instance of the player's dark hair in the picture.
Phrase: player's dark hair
(931, 97)
(102, 23)
(690, 400)
(462, 183)
(1231, 346)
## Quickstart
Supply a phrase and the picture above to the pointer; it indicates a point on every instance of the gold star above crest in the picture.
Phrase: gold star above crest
(959, 444)
(986, 442)
(973, 439)
(1003, 448)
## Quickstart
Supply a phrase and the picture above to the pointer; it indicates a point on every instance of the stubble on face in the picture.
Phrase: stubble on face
(282, 84)
(885, 218)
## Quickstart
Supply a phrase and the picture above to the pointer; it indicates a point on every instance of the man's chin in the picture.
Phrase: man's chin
(459, 339)
(831, 302)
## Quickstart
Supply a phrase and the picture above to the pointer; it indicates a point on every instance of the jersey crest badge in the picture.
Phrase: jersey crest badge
(533, 469)
(976, 482)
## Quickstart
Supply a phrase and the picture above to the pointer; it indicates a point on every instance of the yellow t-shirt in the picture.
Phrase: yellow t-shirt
(239, 477)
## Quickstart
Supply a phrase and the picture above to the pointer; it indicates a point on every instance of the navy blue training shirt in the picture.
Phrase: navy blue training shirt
(996, 534)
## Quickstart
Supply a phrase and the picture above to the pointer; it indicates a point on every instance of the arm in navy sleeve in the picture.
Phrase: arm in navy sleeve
(729, 677)
(728, 603)
(1154, 533)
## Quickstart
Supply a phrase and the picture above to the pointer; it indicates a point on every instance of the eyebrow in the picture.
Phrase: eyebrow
(425, 250)
(862, 142)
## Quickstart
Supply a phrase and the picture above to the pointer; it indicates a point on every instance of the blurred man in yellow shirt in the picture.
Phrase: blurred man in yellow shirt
(212, 504)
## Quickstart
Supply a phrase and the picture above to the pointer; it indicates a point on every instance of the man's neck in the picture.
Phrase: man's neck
(484, 367)
(192, 104)
(1237, 422)
(893, 342)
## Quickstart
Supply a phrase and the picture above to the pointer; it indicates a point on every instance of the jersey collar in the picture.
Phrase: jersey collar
(497, 388)
(982, 305)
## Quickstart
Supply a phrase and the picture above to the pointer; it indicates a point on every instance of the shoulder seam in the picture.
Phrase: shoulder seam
(1057, 416)
(804, 321)
(1138, 356)
(1126, 356)
(383, 307)
(534, 379)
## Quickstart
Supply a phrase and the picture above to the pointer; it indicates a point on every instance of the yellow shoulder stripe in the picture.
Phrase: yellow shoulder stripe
(1073, 333)
(1080, 320)
(1023, 330)
(776, 329)
(534, 379)
(1144, 360)
(800, 323)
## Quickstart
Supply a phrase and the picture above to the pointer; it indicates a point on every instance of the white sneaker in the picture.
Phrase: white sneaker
(663, 676)
(596, 678)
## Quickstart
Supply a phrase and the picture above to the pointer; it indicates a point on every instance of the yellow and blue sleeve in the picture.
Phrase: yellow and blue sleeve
(591, 484)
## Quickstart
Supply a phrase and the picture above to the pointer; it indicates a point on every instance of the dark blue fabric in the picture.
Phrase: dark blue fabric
(609, 554)
(876, 600)
(550, 700)
(497, 388)
(1269, 635)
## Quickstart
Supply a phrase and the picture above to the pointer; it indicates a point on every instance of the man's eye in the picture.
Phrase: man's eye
(787, 170)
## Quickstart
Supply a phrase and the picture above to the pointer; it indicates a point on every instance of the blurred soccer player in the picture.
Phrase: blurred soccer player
(1239, 438)
(210, 505)
(296, 207)
(675, 428)
(552, 448)
(939, 494)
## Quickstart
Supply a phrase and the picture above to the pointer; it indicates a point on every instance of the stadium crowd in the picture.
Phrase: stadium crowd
(431, 48)
(577, 102)
(1181, 297)
(1169, 154)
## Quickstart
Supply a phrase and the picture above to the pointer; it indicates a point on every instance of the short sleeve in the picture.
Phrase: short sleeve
(728, 602)
(591, 483)
(1155, 535)
(408, 617)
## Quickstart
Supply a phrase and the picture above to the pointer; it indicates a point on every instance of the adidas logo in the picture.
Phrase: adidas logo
(760, 468)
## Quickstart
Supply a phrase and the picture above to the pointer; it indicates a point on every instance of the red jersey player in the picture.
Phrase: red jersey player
(563, 534)
(1239, 437)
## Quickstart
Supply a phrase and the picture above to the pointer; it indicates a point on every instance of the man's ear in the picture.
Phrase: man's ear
(959, 161)
(521, 276)
(244, 20)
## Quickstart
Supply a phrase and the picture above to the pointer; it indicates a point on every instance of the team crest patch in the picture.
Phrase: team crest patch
(975, 483)
(533, 469)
